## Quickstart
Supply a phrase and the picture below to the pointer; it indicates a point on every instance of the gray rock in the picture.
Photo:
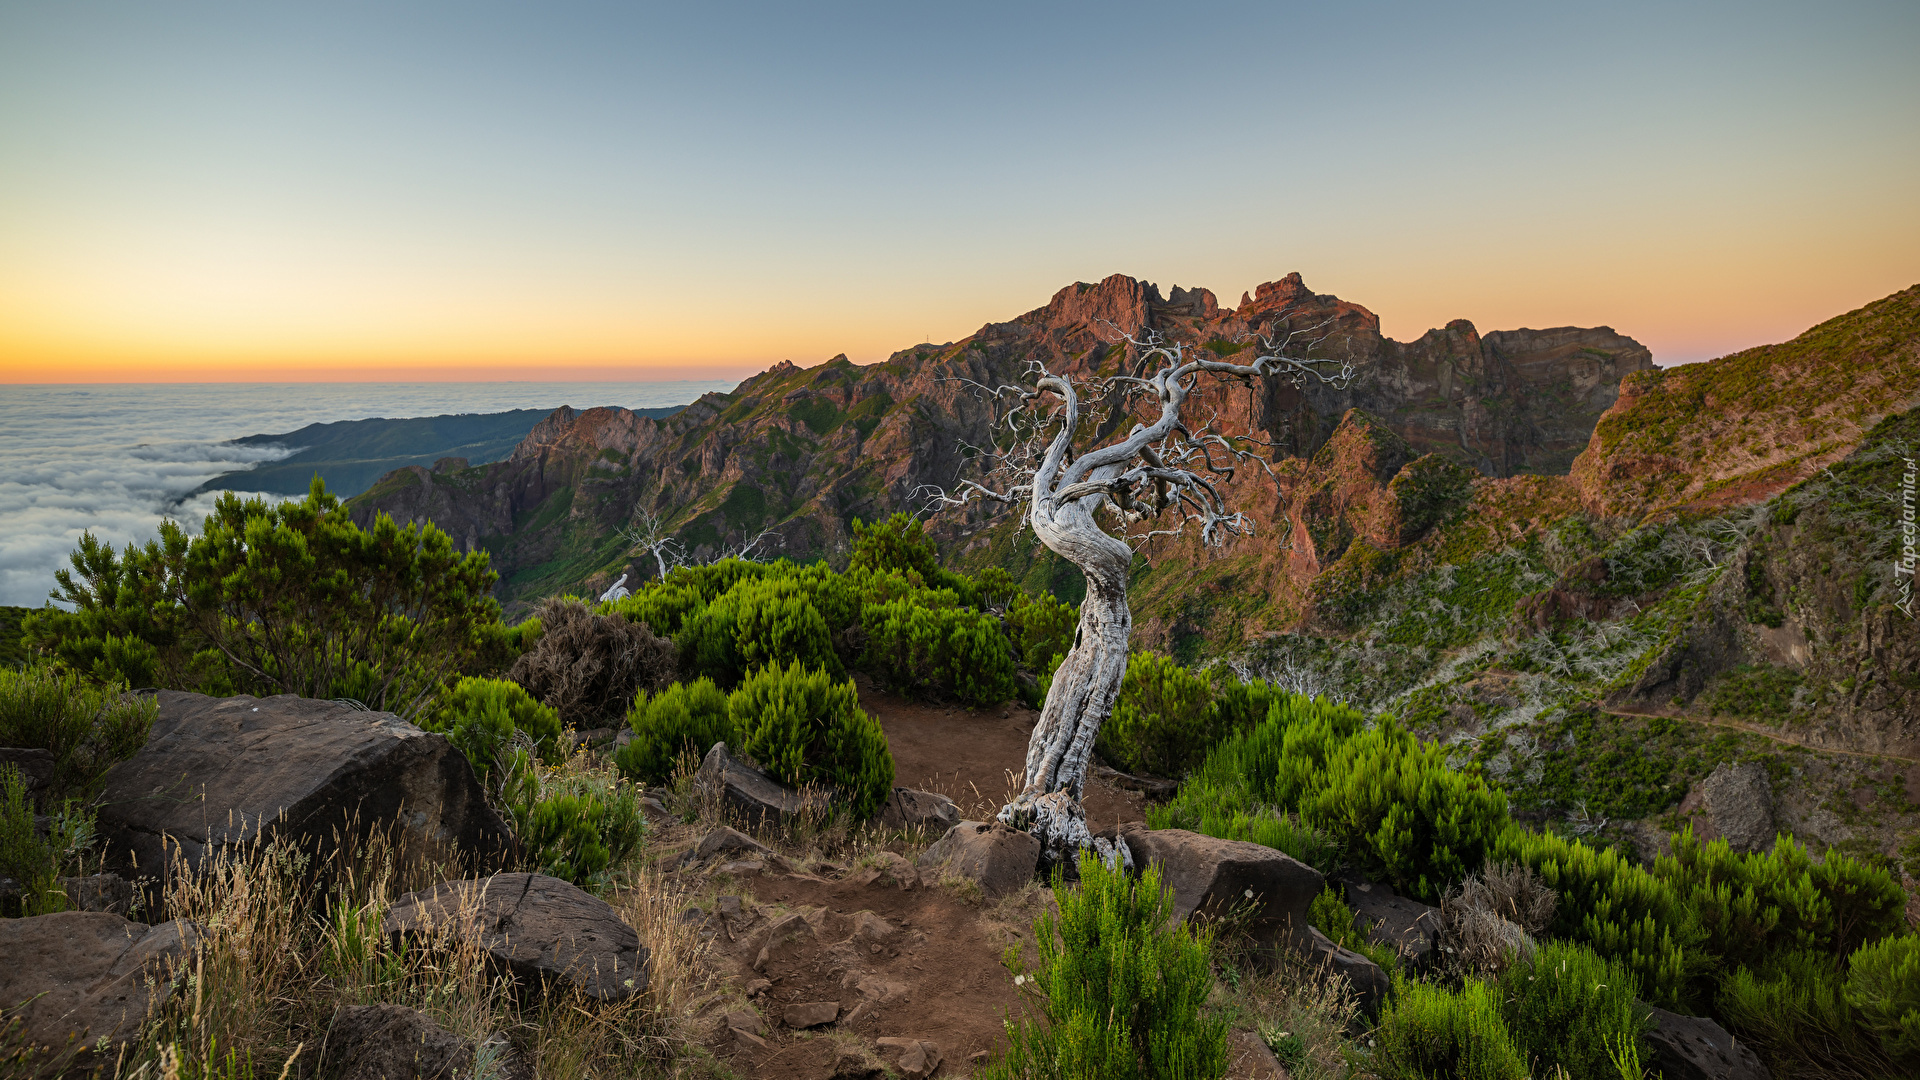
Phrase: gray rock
(1369, 983)
(98, 892)
(1695, 1048)
(914, 1059)
(220, 771)
(732, 842)
(35, 765)
(810, 1014)
(1406, 926)
(754, 795)
(1213, 877)
(910, 809)
(392, 1042)
(543, 930)
(1001, 858)
(87, 978)
(1734, 804)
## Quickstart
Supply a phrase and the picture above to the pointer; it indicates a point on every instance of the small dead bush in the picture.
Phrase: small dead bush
(1489, 919)
(588, 667)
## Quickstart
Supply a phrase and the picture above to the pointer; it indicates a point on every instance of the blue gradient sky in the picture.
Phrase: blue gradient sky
(346, 191)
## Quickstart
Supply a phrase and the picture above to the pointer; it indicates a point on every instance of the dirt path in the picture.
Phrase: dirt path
(1756, 729)
(973, 755)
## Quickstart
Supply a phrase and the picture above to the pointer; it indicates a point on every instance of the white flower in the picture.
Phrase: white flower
(1249, 894)
(1019, 980)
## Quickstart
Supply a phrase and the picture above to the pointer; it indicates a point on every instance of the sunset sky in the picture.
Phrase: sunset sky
(198, 191)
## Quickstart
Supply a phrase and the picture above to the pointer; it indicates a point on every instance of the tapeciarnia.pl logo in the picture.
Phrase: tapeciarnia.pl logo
(1909, 540)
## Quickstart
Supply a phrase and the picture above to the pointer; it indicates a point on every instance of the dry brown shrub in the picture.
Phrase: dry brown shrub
(1489, 919)
(588, 667)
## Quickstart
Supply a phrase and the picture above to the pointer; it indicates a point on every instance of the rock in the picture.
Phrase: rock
(914, 1058)
(543, 930)
(1001, 858)
(810, 1014)
(910, 809)
(1734, 804)
(725, 841)
(392, 1042)
(35, 765)
(1695, 1048)
(746, 1020)
(782, 938)
(219, 771)
(87, 977)
(1151, 786)
(751, 793)
(890, 867)
(1212, 877)
(1409, 927)
(98, 892)
(1369, 983)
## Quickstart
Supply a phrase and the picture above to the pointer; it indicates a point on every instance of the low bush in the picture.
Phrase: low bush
(1122, 993)
(85, 726)
(1883, 987)
(1569, 1007)
(587, 667)
(953, 650)
(761, 620)
(901, 545)
(482, 716)
(35, 858)
(803, 727)
(1331, 916)
(1162, 720)
(662, 605)
(1042, 627)
(684, 717)
(1794, 1010)
(1429, 1032)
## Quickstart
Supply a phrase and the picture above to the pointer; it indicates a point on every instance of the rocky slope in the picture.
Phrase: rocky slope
(805, 451)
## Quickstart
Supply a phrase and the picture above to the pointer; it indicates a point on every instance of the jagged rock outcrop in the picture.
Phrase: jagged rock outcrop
(806, 450)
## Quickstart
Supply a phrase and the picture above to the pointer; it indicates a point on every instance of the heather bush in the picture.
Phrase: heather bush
(1162, 720)
(683, 717)
(900, 545)
(662, 605)
(1430, 1032)
(951, 649)
(1042, 628)
(1794, 1010)
(1883, 988)
(85, 726)
(1567, 1006)
(291, 598)
(481, 717)
(1240, 704)
(803, 727)
(1330, 915)
(1122, 992)
(33, 857)
(762, 620)
(587, 667)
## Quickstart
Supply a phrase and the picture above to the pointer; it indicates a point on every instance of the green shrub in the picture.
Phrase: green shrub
(1042, 627)
(1883, 987)
(481, 717)
(1239, 705)
(803, 727)
(683, 717)
(33, 859)
(1122, 992)
(1204, 807)
(995, 590)
(1619, 909)
(1161, 722)
(283, 599)
(563, 838)
(662, 605)
(88, 728)
(1793, 1009)
(1429, 1032)
(1331, 916)
(954, 650)
(762, 620)
(1567, 1006)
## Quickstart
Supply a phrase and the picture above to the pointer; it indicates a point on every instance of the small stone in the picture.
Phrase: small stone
(915, 1058)
(810, 1014)
(746, 1020)
(745, 866)
(725, 841)
(728, 905)
(758, 987)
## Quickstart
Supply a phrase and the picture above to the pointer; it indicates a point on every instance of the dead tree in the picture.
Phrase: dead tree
(1163, 476)
(649, 536)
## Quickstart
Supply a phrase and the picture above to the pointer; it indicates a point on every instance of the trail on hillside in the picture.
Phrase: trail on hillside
(1755, 729)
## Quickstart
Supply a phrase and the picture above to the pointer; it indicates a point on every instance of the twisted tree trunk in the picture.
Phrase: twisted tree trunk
(1084, 688)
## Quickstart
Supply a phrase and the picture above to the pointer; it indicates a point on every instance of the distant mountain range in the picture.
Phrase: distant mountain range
(351, 454)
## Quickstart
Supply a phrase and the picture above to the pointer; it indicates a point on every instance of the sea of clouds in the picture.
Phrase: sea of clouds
(117, 460)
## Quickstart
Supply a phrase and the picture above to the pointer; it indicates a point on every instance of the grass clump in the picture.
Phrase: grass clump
(1123, 994)
(1430, 1032)
(687, 717)
(803, 727)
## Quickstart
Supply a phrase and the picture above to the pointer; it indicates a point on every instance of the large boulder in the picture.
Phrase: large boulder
(1695, 1048)
(1408, 927)
(1001, 858)
(1213, 877)
(910, 809)
(219, 771)
(87, 979)
(752, 794)
(543, 930)
(393, 1042)
(1734, 803)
